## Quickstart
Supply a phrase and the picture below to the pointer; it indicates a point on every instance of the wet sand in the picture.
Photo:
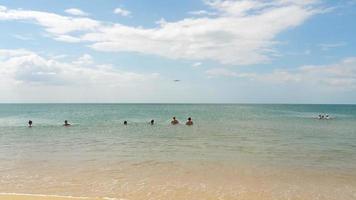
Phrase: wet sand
(205, 181)
(42, 197)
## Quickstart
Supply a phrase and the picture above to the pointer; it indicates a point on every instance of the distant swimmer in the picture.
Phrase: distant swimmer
(324, 116)
(174, 121)
(189, 122)
(125, 122)
(66, 123)
(152, 122)
(30, 123)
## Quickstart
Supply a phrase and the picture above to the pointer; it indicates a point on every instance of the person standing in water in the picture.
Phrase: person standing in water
(174, 121)
(30, 123)
(189, 122)
(66, 123)
(152, 122)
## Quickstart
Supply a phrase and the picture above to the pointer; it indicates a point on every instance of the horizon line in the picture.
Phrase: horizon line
(191, 103)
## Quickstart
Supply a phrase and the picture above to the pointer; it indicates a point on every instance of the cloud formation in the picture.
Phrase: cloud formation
(341, 75)
(328, 46)
(216, 72)
(202, 12)
(196, 64)
(27, 70)
(54, 24)
(76, 12)
(122, 12)
(29, 67)
(243, 32)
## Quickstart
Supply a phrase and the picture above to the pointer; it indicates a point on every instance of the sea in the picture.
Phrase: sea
(233, 151)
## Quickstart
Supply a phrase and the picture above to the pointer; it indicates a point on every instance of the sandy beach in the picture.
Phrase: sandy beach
(43, 197)
(148, 180)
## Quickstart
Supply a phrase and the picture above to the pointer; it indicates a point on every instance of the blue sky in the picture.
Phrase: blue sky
(223, 51)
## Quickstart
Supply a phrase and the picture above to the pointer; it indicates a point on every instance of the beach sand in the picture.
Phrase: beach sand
(199, 182)
(43, 197)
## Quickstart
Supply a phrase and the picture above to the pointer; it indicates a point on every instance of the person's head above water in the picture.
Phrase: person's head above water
(189, 122)
(125, 122)
(29, 123)
(66, 123)
(174, 121)
(152, 122)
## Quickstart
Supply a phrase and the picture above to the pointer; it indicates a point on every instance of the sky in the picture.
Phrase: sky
(221, 51)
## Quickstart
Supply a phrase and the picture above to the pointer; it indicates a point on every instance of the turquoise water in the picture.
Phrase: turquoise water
(283, 135)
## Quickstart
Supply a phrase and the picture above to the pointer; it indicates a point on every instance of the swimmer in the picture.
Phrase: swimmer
(30, 123)
(152, 122)
(174, 121)
(125, 122)
(189, 122)
(66, 123)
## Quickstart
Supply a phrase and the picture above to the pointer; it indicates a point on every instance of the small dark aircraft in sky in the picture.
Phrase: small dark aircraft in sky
(176, 80)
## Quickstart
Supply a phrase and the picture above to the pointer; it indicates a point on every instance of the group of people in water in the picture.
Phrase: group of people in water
(323, 116)
(152, 122)
(188, 123)
(173, 122)
(30, 123)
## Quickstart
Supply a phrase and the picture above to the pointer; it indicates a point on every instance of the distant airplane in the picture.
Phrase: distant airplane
(176, 80)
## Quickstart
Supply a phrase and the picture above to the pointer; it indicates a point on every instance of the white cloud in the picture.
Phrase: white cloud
(2, 8)
(237, 8)
(58, 57)
(328, 46)
(216, 72)
(67, 38)
(21, 65)
(341, 75)
(197, 64)
(76, 12)
(122, 12)
(6, 53)
(53, 23)
(85, 59)
(202, 12)
(161, 22)
(229, 39)
(242, 33)
(22, 37)
(22, 69)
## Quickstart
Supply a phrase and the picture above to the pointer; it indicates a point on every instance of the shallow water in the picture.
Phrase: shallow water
(233, 151)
